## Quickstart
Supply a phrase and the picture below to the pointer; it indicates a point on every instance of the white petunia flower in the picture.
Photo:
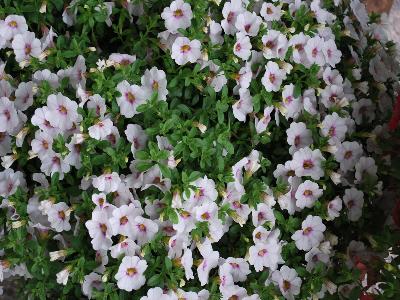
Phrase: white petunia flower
(298, 136)
(210, 261)
(248, 23)
(185, 50)
(177, 15)
(12, 25)
(292, 105)
(144, 230)
(311, 234)
(157, 294)
(8, 115)
(334, 208)
(243, 106)
(307, 162)
(353, 199)
(123, 220)
(131, 97)
(275, 44)
(348, 154)
(46, 75)
(101, 129)
(335, 128)
(107, 183)
(266, 254)
(130, 273)
(62, 112)
(242, 47)
(263, 214)
(90, 281)
(298, 43)
(137, 136)
(24, 95)
(100, 230)
(366, 167)
(26, 45)
(154, 80)
(307, 194)
(314, 51)
(273, 77)
(230, 11)
(270, 12)
(58, 216)
(262, 123)
(314, 256)
(288, 281)
(127, 247)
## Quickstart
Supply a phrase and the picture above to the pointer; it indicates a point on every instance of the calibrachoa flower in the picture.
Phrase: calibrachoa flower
(185, 50)
(311, 234)
(197, 150)
(130, 273)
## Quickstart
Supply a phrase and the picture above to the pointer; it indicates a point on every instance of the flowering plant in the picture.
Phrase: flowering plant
(196, 149)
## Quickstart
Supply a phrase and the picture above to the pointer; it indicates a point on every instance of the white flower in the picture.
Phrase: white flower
(288, 200)
(8, 115)
(177, 15)
(307, 193)
(205, 192)
(107, 183)
(334, 208)
(363, 109)
(263, 214)
(314, 50)
(187, 263)
(101, 129)
(262, 123)
(288, 281)
(298, 43)
(248, 23)
(273, 77)
(26, 45)
(24, 95)
(127, 247)
(335, 128)
(307, 162)
(332, 77)
(275, 44)
(137, 136)
(216, 33)
(210, 261)
(298, 136)
(154, 80)
(331, 95)
(63, 275)
(348, 154)
(76, 74)
(123, 220)
(130, 273)
(230, 11)
(100, 230)
(311, 234)
(97, 104)
(46, 75)
(53, 162)
(13, 25)
(58, 216)
(122, 59)
(157, 294)
(243, 106)
(266, 254)
(144, 230)
(208, 212)
(314, 256)
(366, 167)
(354, 201)
(185, 50)
(238, 268)
(90, 281)
(292, 105)
(271, 12)
(131, 97)
(242, 47)
(331, 53)
(233, 292)
(62, 112)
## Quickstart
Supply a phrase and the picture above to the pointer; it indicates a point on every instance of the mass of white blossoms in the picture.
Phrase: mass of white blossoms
(192, 149)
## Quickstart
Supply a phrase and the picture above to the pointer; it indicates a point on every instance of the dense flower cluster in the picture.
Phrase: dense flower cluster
(193, 149)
